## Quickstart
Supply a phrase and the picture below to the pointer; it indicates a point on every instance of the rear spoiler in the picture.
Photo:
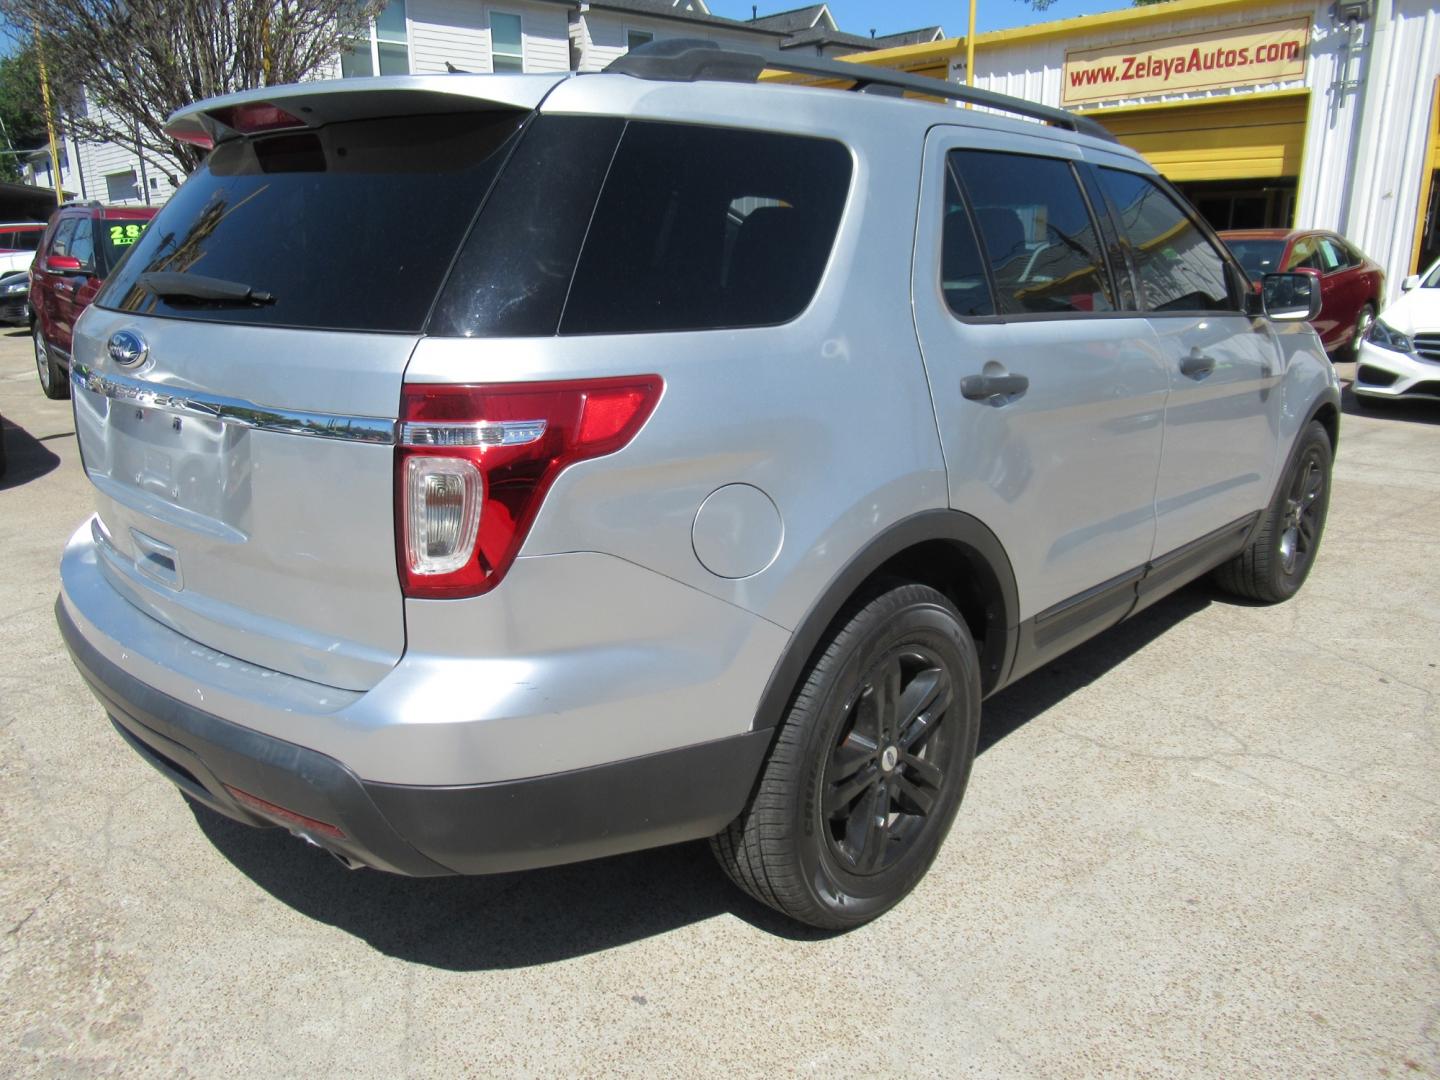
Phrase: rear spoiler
(215, 120)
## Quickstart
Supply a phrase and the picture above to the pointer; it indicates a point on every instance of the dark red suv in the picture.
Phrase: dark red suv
(81, 245)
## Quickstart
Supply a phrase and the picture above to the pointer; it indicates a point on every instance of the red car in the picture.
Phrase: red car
(81, 245)
(1351, 284)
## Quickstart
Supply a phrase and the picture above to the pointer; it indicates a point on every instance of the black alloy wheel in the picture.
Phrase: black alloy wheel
(1305, 504)
(868, 766)
(886, 773)
(1280, 554)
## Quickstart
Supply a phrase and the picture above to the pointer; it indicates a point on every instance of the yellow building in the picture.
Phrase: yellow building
(1291, 113)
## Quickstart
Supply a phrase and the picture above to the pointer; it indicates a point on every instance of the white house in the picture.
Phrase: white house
(431, 36)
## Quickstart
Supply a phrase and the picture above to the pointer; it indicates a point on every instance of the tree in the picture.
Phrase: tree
(119, 68)
(22, 119)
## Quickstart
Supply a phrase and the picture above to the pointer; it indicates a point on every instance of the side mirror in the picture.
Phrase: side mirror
(1292, 297)
(62, 264)
(1411, 282)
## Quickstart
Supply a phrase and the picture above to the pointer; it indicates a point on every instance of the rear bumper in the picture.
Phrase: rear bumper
(565, 817)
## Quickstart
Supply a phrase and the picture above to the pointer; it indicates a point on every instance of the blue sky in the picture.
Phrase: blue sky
(892, 16)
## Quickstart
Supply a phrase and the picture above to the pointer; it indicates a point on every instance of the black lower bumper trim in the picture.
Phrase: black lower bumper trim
(625, 806)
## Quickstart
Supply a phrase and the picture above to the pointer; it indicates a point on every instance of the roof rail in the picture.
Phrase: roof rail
(698, 60)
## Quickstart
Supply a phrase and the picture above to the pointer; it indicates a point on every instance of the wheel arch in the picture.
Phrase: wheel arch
(948, 550)
(1328, 413)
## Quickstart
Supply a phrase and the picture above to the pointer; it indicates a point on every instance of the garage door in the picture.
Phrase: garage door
(1257, 137)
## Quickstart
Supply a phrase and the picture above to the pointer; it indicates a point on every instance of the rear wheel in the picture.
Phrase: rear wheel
(1279, 558)
(868, 767)
(53, 378)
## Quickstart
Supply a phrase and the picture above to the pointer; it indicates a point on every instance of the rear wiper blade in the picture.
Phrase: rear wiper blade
(195, 287)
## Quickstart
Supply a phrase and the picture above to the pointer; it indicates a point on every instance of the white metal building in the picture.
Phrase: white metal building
(1294, 113)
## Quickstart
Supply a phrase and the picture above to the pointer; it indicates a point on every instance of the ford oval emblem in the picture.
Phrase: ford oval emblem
(127, 348)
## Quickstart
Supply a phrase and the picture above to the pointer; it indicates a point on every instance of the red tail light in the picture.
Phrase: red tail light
(475, 462)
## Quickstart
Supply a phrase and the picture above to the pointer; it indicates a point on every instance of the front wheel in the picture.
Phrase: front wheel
(1279, 558)
(54, 380)
(868, 767)
(1363, 321)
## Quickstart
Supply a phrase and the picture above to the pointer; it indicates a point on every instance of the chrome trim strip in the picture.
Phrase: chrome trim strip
(236, 411)
(471, 433)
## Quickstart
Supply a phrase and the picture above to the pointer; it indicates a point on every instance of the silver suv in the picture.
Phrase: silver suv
(500, 471)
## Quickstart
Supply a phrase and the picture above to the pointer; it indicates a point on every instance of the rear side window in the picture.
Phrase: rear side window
(60, 245)
(514, 272)
(351, 226)
(1179, 269)
(21, 239)
(82, 244)
(962, 267)
(702, 228)
(602, 226)
(1038, 235)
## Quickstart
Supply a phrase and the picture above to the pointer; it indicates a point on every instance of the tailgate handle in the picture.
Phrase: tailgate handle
(156, 560)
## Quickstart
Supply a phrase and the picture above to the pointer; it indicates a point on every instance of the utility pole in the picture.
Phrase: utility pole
(970, 48)
(49, 118)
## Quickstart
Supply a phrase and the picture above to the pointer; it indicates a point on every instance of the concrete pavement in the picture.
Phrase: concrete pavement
(1205, 844)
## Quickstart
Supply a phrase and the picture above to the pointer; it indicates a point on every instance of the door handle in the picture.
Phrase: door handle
(984, 387)
(1197, 365)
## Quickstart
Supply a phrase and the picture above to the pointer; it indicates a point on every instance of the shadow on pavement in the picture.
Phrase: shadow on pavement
(26, 457)
(1016, 706)
(1414, 411)
(520, 920)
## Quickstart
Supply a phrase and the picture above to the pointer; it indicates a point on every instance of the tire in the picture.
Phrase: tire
(1283, 550)
(812, 842)
(54, 379)
(1351, 349)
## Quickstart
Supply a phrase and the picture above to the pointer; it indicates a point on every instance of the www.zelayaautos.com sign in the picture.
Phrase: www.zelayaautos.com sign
(1233, 56)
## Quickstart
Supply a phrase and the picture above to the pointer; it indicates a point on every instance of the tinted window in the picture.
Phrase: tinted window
(1179, 269)
(350, 226)
(706, 228)
(60, 245)
(118, 237)
(1040, 240)
(21, 239)
(82, 244)
(515, 268)
(1258, 257)
(962, 267)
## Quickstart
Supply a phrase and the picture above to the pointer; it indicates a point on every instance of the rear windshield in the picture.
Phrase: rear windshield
(350, 226)
(1258, 257)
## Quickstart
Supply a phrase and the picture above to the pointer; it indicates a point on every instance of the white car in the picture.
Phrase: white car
(18, 240)
(1400, 356)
